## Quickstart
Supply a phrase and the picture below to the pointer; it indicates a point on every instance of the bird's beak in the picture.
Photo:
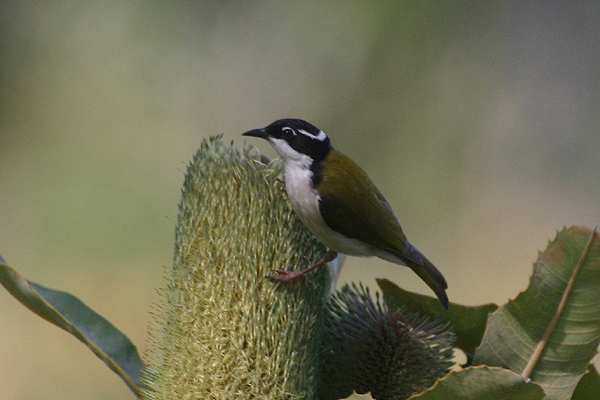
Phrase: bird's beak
(259, 133)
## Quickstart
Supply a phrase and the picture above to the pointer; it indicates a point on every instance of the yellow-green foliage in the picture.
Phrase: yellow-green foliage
(225, 331)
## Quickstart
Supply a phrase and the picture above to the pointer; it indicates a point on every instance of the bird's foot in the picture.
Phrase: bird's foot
(283, 183)
(287, 276)
(264, 159)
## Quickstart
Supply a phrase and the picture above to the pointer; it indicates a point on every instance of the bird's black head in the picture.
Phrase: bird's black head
(295, 139)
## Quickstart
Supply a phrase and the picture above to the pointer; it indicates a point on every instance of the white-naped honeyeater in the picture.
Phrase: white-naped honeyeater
(339, 203)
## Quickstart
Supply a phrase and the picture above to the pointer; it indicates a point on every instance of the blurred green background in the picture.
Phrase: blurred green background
(478, 120)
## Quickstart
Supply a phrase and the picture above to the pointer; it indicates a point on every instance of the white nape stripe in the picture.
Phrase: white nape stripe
(321, 136)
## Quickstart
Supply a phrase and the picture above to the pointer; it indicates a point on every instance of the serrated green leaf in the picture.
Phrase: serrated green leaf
(71, 314)
(588, 387)
(534, 334)
(468, 323)
(476, 383)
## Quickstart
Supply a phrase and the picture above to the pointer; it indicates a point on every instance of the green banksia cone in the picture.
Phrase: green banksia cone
(224, 330)
(369, 347)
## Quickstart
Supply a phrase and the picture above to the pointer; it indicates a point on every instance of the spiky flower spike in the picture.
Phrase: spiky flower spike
(368, 347)
(224, 330)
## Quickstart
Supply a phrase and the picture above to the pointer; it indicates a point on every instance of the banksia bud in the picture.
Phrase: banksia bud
(368, 347)
(224, 330)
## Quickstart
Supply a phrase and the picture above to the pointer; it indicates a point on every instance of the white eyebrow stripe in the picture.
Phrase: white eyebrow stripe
(321, 136)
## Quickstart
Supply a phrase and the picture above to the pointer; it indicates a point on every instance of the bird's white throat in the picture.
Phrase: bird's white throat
(298, 184)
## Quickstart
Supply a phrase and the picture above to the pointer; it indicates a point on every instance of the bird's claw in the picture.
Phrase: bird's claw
(281, 275)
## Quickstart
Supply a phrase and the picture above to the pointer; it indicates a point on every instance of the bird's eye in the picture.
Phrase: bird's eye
(287, 133)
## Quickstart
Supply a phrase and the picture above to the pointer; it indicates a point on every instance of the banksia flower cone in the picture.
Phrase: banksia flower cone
(369, 347)
(224, 330)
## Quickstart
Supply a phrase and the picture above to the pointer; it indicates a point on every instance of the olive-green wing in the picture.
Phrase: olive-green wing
(358, 210)
(351, 204)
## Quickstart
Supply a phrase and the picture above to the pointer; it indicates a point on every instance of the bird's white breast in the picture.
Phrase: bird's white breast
(305, 201)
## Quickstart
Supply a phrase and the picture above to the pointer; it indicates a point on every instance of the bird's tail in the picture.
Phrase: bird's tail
(426, 271)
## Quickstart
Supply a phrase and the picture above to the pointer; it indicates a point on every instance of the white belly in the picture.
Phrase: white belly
(305, 201)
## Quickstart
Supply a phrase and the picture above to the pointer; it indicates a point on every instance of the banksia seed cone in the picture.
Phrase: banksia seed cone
(225, 331)
(368, 347)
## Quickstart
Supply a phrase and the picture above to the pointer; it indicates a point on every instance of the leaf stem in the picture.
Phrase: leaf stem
(563, 302)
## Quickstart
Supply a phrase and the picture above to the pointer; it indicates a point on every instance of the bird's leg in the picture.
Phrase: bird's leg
(264, 159)
(282, 181)
(287, 276)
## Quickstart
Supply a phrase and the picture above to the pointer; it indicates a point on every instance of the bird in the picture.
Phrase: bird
(340, 205)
